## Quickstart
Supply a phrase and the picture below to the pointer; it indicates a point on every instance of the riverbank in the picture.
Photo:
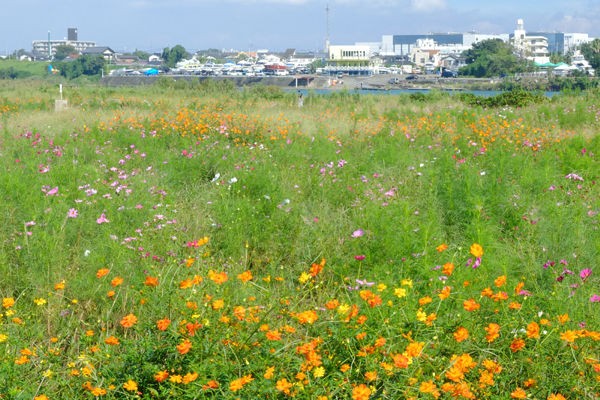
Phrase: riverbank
(373, 82)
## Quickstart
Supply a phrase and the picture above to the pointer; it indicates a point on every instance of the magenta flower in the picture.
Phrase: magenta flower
(595, 298)
(73, 213)
(360, 257)
(585, 273)
(102, 219)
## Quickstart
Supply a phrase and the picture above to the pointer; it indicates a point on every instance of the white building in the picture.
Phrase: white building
(533, 48)
(574, 40)
(349, 53)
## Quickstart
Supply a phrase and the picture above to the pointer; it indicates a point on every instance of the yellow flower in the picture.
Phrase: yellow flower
(8, 302)
(130, 385)
(407, 282)
(304, 277)
(269, 373)
(400, 292)
(40, 301)
(476, 250)
(319, 372)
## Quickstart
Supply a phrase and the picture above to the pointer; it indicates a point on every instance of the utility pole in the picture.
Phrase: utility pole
(327, 28)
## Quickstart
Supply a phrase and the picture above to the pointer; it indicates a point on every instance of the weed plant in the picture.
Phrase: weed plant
(182, 242)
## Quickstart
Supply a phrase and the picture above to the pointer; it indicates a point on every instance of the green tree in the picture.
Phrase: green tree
(84, 65)
(591, 52)
(172, 56)
(63, 51)
(493, 57)
(142, 55)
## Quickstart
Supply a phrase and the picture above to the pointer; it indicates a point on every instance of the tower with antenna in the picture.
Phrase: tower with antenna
(327, 28)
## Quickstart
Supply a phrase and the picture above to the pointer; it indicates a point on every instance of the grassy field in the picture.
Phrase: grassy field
(193, 241)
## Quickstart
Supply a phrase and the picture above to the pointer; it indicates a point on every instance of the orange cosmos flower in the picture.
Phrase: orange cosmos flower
(60, 285)
(429, 387)
(212, 384)
(401, 361)
(371, 376)
(128, 321)
(192, 327)
(493, 332)
(239, 383)
(471, 305)
(112, 341)
(184, 347)
(361, 392)
(332, 304)
(445, 293)
(563, 318)
(116, 281)
(516, 345)
(189, 377)
(307, 317)
(569, 336)
(315, 268)
(476, 250)
(518, 393)
(441, 247)
(461, 334)
(151, 281)
(500, 281)
(425, 300)
(447, 269)
(283, 385)
(161, 376)
(217, 277)
(245, 276)
(273, 335)
(557, 396)
(533, 330)
(486, 379)
(102, 272)
(492, 366)
(163, 324)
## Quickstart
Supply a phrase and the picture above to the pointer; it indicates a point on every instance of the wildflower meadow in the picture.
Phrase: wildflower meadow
(203, 241)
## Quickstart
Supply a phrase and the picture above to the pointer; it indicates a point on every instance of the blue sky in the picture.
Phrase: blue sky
(127, 25)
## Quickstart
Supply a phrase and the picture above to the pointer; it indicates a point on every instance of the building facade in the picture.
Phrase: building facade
(47, 48)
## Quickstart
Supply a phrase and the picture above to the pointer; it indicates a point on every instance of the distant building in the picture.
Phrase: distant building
(72, 34)
(106, 52)
(447, 43)
(530, 46)
(349, 53)
(47, 48)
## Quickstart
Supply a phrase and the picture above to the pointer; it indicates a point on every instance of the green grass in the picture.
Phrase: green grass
(326, 222)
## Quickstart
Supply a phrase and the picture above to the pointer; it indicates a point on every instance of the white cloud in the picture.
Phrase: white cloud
(427, 5)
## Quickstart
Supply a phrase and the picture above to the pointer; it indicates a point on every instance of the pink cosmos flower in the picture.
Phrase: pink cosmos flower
(358, 233)
(102, 219)
(595, 298)
(360, 257)
(73, 213)
(585, 273)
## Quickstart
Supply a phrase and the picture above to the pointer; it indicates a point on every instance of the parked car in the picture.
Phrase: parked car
(447, 73)
(412, 77)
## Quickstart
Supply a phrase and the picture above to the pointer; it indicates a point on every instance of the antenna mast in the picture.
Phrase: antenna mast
(327, 28)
